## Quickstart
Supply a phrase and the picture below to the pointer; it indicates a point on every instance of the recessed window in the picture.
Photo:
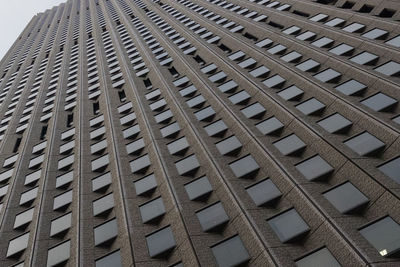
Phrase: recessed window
(140, 164)
(290, 145)
(178, 146)
(146, 185)
(305, 36)
(128, 119)
(291, 93)
(188, 91)
(228, 87)
(289, 226)
(275, 81)
(365, 58)
(392, 169)
(354, 27)
(336, 22)
(292, 57)
(346, 198)
(351, 87)
(212, 217)
(113, 259)
(218, 77)
(63, 200)
(206, 114)
(264, 192)
(217, 128)
(264, 43)
(319, 17)
(276, 50)
(131, 132)
(314, 168)
(240, 98)
(237, 55)
(60, 225)
(152, 210)
(394, 42)
(248, 63)
(27, 197)
(66, 162)
(390, 69)
(181, 81)
(65, 179)
(383, 235)
(254, 111)
(328, 76)
(105, 233)
(229, 146)
(135, 147)
(199, 188)
(321, 257)
(311, 107)
(342, 50)
(98, 133)
(23, 218)
(375, 34)
(101, 182)
(103, 205)
(196, 102)
(230, 252)
(260, 72)
(160, 242)
(245, 167)
(6, 175)
(101, 163)
(17, 245)
(335, 123)
(291, 30)
(308, 65)
(188, 165)
(323, 42)
(58, 254)
(365, 144)
(270, 126)
(209, 69)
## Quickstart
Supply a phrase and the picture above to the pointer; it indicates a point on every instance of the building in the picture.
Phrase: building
(202, 133)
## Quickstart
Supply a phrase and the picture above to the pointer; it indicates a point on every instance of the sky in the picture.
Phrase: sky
(15, 15)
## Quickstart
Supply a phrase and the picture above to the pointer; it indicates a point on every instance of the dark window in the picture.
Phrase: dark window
(321, 257)
(199, 188)
(212, 217)
(346, 198)
(335, 123)
(365, 144)
(254, 111)
(291, 93)
(217, 128)
(229, 146)
(314, 168)
(290, 145)
(245, 167)
(351, 87)
(392, 169)
(160, 242)
(152, 210)
(140, 164)
(230, 252)
(264, 192)
(270, 126)
(311, 107)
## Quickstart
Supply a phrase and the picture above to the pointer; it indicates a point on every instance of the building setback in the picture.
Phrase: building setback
(202, 133)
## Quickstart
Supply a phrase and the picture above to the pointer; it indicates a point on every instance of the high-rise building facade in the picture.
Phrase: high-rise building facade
(202, 133)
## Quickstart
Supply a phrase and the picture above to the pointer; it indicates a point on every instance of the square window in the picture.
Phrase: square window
(140, 164)
(270, 126)
(308, 65)
(291, 93)
(217, 128)
(103, 205)
(390, 68)
(58, 254)
(342, 50)
(230, 252)
(365, 144)
(264, 192)
(292, 57)
(245, 167)
(101, 182)
(145, 185)
(275, 81)
(188, 165)
(212, 217)
(218, 77)
(135, 147)
(228, 87)
(392, 169)
(60, 225)
(335, 123)
(260, 72)
(28, 196)
(383, 235)
(229, 146)
(288, 226)
(65, 179)
(346, 198)
(152, 210)
(105, 233)
(321, 257)
(315, 168)
(198, 188)
(17, 245)
(196, 102)
(351, 87)
(328, 76)
(160, 242)
(290, 145)
(239, 98)
(311, 107)
(112, 259)
(365, 58)
(254, 111)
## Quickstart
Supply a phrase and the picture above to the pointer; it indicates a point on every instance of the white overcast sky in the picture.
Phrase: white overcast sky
(15, 15)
